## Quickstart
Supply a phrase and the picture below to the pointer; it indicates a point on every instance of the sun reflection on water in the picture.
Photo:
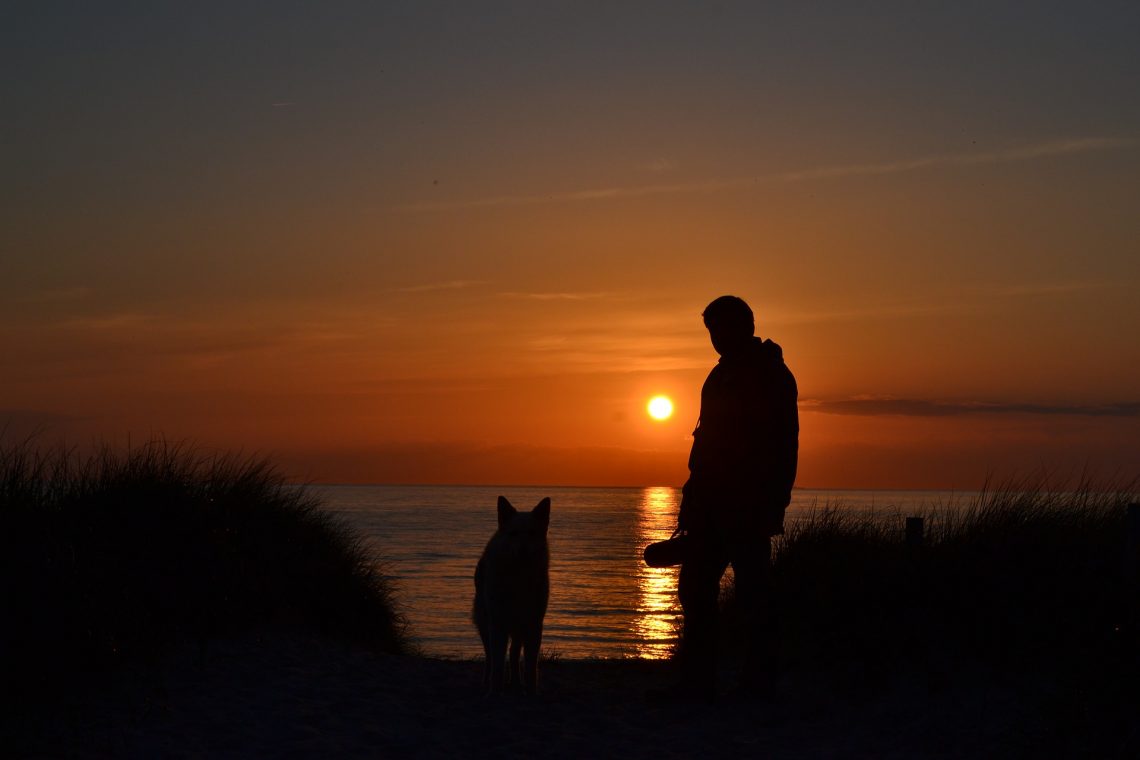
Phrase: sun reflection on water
(657, 607)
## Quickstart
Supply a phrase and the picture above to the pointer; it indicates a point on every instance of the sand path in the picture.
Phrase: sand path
(294, 696)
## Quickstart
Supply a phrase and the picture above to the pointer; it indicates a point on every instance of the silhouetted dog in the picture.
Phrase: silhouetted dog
(512, 586)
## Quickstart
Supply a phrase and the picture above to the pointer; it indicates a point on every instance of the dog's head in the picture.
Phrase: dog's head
(525, 532)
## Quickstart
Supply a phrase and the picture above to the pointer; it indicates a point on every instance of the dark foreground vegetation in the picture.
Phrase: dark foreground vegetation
(1033, 584)
(110, 558)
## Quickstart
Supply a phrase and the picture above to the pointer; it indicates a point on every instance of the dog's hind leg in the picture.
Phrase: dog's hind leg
(530, 664)
(514, 675)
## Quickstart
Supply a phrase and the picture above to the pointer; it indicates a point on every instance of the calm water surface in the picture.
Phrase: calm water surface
(604, 601)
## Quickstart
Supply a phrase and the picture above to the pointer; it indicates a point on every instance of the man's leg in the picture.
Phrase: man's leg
(752, 568)
(699, 590)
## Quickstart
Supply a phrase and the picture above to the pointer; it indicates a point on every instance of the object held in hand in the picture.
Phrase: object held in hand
(667, 553)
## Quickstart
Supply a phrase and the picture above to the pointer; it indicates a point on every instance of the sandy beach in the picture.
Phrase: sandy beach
(295, 696)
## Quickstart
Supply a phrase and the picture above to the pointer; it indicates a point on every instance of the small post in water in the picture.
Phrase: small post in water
(914, 532)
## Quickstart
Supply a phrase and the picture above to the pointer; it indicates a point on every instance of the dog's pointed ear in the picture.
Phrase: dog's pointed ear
(542, 513)
(506, 511)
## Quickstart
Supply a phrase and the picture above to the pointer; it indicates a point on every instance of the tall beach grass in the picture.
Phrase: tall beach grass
(115, 555)
(1027, 576)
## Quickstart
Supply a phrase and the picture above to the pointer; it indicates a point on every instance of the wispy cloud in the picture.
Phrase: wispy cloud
(886, 311)
(116, 321)
(974, 300)
(554, 296)
(39, 428)
(1045, 149)
(55, 295)
(1048, 288)
(447, 285)
(31, 418)
(900, 407)
(649, 341)
(661, 165)
(578, 195)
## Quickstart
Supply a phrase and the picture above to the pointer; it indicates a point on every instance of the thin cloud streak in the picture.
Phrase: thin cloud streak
(111, 322)
(448, 285)
(555, 296)
(1050, 288)
(1047, 149)
(33, 418)
(899, 407)
(55, 295)
(980, 299)
(661, 165)
(858, 315)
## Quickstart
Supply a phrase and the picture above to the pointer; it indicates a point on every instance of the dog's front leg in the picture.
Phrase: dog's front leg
(488, 657)
(498, 655)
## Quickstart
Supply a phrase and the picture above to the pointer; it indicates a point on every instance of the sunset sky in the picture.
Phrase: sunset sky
(467, 242)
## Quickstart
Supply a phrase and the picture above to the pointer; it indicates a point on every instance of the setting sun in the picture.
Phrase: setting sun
(660, 408)
(416, 309)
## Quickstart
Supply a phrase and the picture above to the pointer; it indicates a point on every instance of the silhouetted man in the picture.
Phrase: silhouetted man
(741, 470)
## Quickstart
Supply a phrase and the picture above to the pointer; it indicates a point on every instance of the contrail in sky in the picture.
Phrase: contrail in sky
(1024, 153)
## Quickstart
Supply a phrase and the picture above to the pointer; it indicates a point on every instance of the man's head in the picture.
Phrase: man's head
(730, 323)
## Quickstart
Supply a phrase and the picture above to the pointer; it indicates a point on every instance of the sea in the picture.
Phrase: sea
(604, 601)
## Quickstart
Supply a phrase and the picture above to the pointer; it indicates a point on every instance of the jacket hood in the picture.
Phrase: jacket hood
(757, 351)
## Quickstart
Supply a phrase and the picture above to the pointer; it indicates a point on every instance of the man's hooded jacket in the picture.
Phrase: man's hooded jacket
(745, 448)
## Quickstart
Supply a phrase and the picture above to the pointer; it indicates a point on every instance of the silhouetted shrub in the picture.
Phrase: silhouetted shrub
(116, 555)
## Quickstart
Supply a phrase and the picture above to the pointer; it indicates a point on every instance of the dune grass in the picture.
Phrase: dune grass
(114, 556)
(1028, 577)
(1032, 585)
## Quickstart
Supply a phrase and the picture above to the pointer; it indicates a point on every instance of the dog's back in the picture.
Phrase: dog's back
(512, 587)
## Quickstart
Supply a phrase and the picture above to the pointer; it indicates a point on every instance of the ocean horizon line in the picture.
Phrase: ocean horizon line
(863, 489)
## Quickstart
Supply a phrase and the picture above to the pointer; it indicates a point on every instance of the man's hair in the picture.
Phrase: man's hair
(730, 312)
